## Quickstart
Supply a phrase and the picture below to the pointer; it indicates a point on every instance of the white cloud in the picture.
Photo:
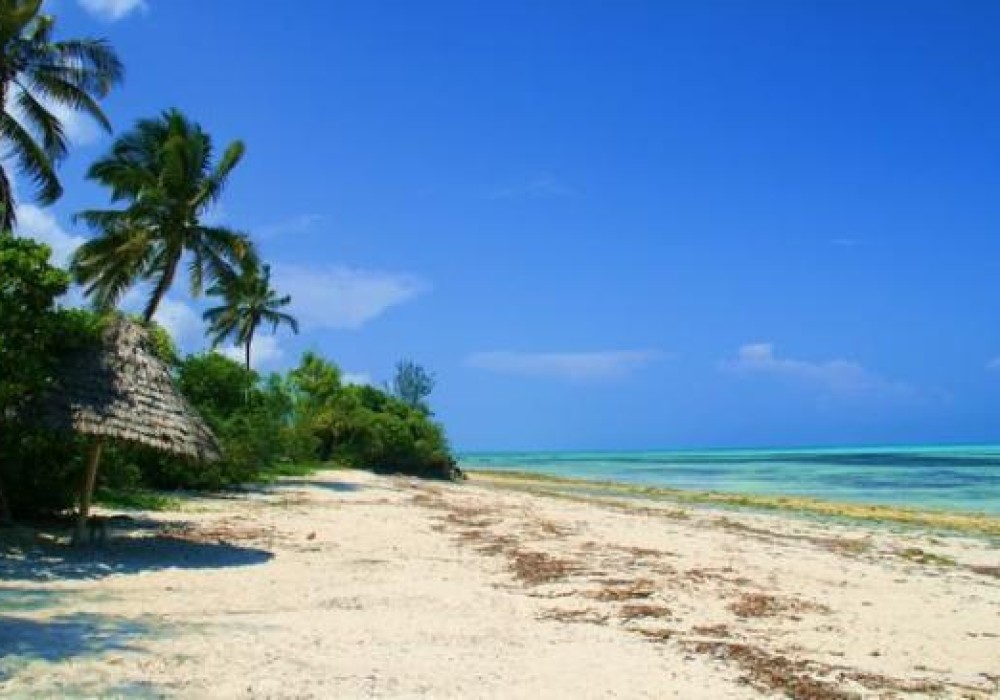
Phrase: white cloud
(79, 127)
(540, 186)
(113, 10)
(264, 352)
(183, 323)
(576, 366)
(842, 378)
(994, 364)
(35, 222)
(343, 297)
(357, 378)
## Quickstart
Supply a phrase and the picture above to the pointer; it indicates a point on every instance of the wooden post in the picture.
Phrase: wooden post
(87, 491)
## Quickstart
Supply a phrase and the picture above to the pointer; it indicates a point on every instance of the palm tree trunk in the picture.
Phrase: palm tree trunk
(6, 205)
(6, 193)
(161, 289)
(246, 395)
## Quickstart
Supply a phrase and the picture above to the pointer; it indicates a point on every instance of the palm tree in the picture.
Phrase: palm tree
(248, 302)
(163, 171)
(36, 75)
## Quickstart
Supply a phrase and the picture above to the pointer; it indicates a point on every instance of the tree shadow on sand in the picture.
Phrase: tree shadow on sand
(64, 637)
(131, 554)
(335, 486)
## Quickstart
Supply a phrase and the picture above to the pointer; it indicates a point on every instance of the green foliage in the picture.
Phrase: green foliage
(135, 499)
(41, 469)
(163, 344)
(412, 384)
(367, 428)
(265, 428)
(29, 286)
(37, 468)
(38, 76)
(216, 385)
(315, 380)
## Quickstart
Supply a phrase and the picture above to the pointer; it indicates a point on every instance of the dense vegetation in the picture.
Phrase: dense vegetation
(263, 423)
(161, 177)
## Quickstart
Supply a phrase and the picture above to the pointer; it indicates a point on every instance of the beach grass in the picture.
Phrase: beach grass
(136, 499)
(951, 521)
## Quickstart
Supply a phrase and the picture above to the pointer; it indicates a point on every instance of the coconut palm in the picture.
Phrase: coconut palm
(163, 171)
(248, 302)
(38, 76)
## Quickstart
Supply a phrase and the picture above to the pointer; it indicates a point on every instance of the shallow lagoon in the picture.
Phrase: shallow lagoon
(965, 478)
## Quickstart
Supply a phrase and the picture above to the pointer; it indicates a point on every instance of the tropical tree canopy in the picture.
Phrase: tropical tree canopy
(163, 172)
(248, 302)
(39, 75)
(412, 384)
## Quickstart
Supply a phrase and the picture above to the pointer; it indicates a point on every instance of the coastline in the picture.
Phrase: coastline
(936, 519)
(348, 584)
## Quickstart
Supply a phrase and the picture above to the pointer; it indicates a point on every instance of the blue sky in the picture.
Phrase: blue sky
(605, 225)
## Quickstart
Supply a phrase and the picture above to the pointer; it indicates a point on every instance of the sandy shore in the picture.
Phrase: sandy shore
(351, 585)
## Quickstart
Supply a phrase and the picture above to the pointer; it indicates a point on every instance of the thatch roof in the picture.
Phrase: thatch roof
(121, 390)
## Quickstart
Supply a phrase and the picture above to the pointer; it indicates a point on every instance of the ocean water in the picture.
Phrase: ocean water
(965, 478)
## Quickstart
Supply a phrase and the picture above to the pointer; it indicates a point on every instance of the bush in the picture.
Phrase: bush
(41, 469)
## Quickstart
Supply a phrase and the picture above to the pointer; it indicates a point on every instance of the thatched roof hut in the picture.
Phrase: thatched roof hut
(121, 390)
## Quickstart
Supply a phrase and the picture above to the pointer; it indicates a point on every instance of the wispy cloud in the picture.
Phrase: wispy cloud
(539, 186)
(35, 222)
(183, 322)
(300, 224)
(574, 366)
(838, 377)
(113, 10)
(338, 296)
(993, 365)
(846, 242)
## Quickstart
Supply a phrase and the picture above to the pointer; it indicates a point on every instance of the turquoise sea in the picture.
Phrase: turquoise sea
(963, 478)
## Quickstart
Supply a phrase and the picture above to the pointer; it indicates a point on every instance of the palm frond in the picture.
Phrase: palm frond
(43, 122)
(215, 183)
(31, 159)
(67, 93)
(92, 53)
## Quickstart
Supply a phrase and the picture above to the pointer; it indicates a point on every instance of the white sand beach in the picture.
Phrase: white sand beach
(350, 585)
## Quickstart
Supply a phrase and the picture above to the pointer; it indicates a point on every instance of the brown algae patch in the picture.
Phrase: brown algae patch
(920, 556)
(766, 605)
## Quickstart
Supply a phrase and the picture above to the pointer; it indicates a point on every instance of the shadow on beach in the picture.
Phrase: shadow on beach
(65, 636)
(335, 486)
(50, 561)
